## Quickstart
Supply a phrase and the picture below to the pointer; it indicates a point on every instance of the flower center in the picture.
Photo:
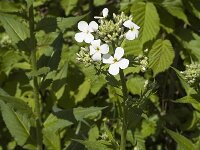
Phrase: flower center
(115, 60)
(132, 29)
(97, 48)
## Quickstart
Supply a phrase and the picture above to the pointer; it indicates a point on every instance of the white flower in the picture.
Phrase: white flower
(116, 62)
(133, 32)
(104, 12)
(96, 49)
(86, 30)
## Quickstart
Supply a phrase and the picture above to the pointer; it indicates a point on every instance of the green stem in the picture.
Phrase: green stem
(35, 79)
(124, 111)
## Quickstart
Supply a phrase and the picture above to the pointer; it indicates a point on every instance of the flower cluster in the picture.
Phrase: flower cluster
(99, 39)
(192, 74)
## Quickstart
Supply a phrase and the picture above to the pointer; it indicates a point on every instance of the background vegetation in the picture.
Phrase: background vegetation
(79, 107)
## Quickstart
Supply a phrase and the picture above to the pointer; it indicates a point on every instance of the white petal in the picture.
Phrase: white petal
(92, 50)
(83, 26)
(97, 56)
(93, 26)
(105, 12)
(79, 37)
(130, 24)
(119, 52)
(104, 49)
(108, 59)
(114, 69)
(96, 43)
(131, 35)
(98, 17)
(88, 38)
(123, 63)
(135, 26)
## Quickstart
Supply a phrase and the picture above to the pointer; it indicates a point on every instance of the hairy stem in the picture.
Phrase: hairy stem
(124, 111)
(35, 80)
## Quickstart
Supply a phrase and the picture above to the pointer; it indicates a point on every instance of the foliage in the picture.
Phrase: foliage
(80, 105)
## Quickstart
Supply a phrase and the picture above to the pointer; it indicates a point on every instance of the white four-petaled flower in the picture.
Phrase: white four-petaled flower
(96, 50)
(116, 62)
(133, 30)
(86, 30)
(104, 12)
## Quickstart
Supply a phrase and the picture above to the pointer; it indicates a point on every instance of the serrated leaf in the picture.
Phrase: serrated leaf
(145, 15)
(183, 142)
(17, 123)
(175, 8)
(132, 47)
(161, 56)
(15, 29)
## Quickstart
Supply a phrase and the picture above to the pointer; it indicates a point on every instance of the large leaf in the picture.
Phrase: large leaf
(175, 8)
(183, 142)
(15, 29)
(161, 56)
(16, 104)
(145, 15)
(17, 123)
(51, 131)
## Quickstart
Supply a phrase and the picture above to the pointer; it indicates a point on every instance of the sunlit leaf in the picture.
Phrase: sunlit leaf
(145, 15)
(161, 56)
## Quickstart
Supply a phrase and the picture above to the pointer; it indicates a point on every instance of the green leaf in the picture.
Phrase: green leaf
(96, 145)
(135, 85)
(78, 114)
(183, 142)
(66, 23)
(16, 104)
(15, 29)
(190, 100)
(145, 15)
(81, 113)
(83, 91)
(185, 85)
(17, 123)
(97, 84)
(6, 6)
(68, 5)
(175, 8)
(132, 47)
(161, 56)
(51, 131)
(40, 71)
(55, 123)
